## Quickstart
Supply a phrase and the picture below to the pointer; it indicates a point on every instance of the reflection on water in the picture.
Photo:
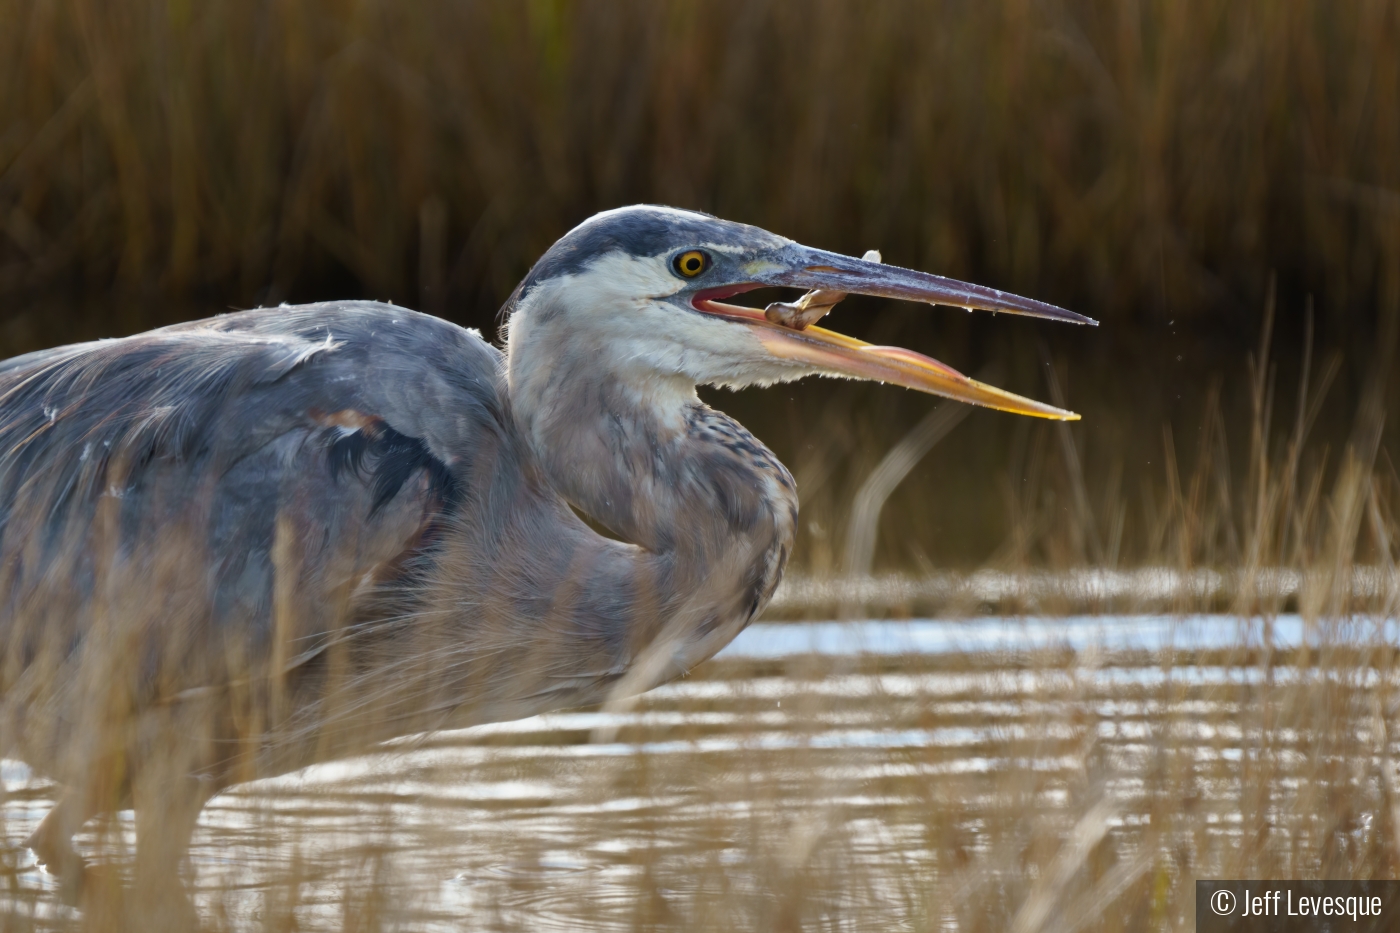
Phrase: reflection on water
(1081, 633)
(875, 761)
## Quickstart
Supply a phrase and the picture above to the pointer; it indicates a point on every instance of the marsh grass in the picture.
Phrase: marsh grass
(1153, 164)
(1037, 789)
(258, 148)
(1043, 791)
(1147, 162)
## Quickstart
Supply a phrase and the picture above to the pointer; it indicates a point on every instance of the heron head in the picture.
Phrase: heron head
(639, 292)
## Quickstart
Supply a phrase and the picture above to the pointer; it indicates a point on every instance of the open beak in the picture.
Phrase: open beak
(834, 354)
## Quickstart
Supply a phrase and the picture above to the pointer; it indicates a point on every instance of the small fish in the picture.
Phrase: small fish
(811, 307)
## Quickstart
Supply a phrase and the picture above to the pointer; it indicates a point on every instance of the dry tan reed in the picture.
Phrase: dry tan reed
(1046, 789)
(1184, 171)
(1153, 164)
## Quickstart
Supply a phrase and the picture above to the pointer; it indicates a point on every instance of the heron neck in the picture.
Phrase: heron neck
(651, 462)
(710, 509)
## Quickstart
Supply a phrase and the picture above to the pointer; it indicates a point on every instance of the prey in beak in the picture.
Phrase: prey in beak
(811, 307)
(787, 333)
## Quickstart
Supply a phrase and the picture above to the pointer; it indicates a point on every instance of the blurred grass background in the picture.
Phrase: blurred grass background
(1217, 182)
(1172, 169)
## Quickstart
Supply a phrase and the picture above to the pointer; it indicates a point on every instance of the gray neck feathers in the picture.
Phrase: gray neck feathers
(711, 509)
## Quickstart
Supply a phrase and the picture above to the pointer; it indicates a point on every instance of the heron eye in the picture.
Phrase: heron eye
(692, 262)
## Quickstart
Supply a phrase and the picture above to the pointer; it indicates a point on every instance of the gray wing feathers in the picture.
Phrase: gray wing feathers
(262, 465)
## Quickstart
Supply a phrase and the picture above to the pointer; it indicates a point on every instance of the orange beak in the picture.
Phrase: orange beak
(834, 354)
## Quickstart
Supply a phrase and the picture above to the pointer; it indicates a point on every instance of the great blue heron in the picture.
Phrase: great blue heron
(233, 547)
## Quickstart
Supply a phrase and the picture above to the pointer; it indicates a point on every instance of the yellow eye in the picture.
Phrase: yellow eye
(692, 262)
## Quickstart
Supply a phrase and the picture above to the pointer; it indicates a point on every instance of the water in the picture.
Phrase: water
(1020, 634)
(854, 756)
